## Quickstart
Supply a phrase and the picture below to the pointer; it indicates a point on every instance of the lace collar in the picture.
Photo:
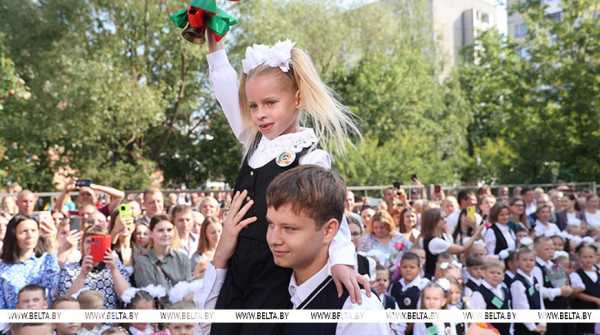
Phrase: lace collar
(267, 150)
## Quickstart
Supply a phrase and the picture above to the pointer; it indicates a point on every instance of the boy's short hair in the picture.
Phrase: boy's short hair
(180, 209)
(32, 288)
(88, 298)
(493, 263)
(310, 190)
(523, 251)
(63, 298)
(410, 256)
(474, 261)
(541, 239)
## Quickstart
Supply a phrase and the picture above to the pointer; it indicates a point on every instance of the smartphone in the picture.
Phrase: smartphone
(125, 211)
(83, 183)
(99, 245)
(75, 222)
(437, 189)
(36, 216)
(471, 213)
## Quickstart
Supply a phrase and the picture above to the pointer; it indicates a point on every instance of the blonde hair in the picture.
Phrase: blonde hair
(332, 122)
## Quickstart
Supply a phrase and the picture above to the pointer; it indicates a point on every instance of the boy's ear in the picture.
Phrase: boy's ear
(331, 228)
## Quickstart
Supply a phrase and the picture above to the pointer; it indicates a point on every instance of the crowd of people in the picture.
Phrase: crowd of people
(292, 236)
(532, 249)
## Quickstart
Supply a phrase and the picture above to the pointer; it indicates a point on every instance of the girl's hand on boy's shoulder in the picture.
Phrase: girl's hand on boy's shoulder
(345, 276)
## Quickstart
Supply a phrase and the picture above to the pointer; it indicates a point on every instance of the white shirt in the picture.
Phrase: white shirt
(546, 292)
(577, 282)
(225, 86)
(593, 220)
(299, 293)
(519, 296)
(531, 208)
(572, 219)
(190, 245)
(478, 302)
(419, 282)
(490, 239)
(546, 229)
(439, 245)
(467, 276)
(452, 219)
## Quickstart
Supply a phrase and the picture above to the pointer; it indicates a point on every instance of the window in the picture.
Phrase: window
(521, 30)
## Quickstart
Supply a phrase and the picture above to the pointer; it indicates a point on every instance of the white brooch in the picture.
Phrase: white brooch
(279, 55)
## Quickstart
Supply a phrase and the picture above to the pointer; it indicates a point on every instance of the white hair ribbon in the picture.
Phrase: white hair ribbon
(154, 291)
(279, 55)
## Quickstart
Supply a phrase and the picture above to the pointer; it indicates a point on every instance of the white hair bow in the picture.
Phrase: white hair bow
(154, 291)
(560, 253)
(182, 289)
(444, 284)
(279, 55)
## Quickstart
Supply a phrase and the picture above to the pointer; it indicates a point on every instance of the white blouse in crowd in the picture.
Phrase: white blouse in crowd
(546, 292)
(490, 240)
(519, 296)
(572, 219)
(439, 245)
(592, 219)
(225, 86)
(467, 276)
(547, 229)
(577, 282)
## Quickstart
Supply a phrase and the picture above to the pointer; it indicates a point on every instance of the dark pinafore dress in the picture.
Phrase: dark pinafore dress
(253, 281)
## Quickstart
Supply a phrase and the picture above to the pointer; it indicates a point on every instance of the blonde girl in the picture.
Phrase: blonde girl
(278, 94)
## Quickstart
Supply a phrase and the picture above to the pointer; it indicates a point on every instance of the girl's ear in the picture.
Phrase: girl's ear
(297, 99)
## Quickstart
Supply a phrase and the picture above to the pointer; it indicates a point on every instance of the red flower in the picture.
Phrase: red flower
(399, 246)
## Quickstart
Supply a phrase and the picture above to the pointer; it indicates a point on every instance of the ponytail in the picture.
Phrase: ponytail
(332, 122)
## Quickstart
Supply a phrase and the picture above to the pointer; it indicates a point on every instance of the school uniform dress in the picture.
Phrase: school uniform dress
(550, 294)
(471, 285)
(525, 294)
(509, 276)
(500, 240)
(253, 281)
(434, 246)
(319, 292)
(407, 294)
(589, 281)
(491, 298)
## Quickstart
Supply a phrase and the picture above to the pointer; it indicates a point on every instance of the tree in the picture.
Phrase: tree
(538, 98)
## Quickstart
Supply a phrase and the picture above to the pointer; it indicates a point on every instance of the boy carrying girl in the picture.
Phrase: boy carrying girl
(305, 206)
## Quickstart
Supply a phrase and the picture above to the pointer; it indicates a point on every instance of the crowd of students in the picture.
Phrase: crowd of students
(428, 254)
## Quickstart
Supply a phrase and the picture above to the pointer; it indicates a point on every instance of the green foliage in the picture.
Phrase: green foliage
(545, 108)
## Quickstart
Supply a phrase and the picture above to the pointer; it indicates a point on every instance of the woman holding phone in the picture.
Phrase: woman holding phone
(25, 260)
(99, 270)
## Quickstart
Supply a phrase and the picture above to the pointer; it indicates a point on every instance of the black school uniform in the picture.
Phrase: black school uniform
(253, 281)
(593, 289)
(533, 298)
(406, 298)
(494, 302)
(430, 259)
(559, 303)
(323, 297)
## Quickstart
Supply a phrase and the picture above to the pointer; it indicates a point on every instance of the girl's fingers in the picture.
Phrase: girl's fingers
(240, 214)
(243, 224)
